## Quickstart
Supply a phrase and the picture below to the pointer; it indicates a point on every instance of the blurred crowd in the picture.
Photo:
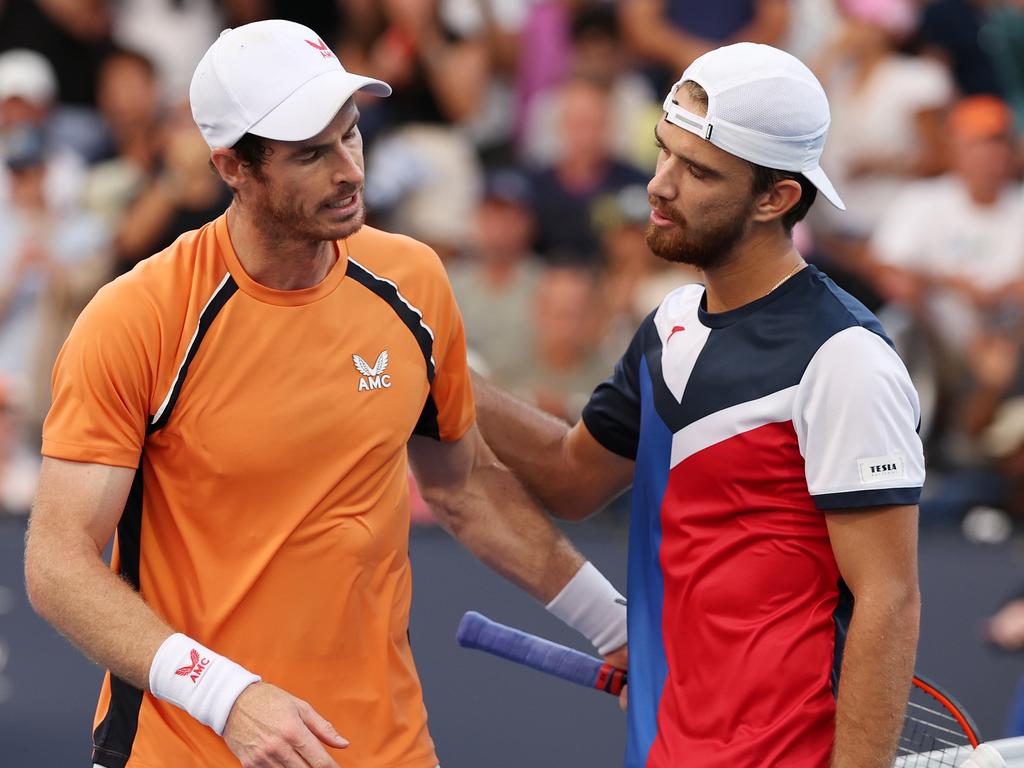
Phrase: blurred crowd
(518, 143)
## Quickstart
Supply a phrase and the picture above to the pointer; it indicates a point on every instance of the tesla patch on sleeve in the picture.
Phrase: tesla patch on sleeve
(880, 468)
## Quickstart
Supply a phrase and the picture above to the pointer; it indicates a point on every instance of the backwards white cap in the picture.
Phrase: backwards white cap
(275, 79)
(764, 105)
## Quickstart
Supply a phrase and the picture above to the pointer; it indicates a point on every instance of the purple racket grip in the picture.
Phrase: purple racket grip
(479, 632)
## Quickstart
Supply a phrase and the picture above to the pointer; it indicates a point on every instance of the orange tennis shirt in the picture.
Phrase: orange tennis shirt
(269, 517)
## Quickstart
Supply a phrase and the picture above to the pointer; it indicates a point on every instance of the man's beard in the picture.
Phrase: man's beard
(704, 249)
(273, 213)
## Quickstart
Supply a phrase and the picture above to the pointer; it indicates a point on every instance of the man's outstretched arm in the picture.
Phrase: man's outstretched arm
(564, 467)
(482, 504)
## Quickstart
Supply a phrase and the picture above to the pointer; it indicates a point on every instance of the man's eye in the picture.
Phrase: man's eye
(696, 172)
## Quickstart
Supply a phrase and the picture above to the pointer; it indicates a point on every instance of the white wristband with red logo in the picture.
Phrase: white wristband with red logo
(594, 608)
(203, 683)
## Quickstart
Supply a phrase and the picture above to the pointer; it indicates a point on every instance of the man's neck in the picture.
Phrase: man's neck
(276, 262)
(754, 269)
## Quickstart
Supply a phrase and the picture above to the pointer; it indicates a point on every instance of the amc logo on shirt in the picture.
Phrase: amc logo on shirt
(373, 378)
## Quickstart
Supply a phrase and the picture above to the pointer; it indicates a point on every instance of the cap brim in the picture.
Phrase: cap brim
(818, 178)
(309, 110)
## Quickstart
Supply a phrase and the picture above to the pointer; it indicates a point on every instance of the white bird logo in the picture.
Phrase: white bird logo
(378, 367)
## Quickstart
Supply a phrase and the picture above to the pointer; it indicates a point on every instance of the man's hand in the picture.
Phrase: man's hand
(269, 728)
(1006, 628)
(620, 659)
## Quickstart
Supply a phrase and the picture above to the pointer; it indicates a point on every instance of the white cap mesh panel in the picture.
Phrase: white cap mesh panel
(778, 107)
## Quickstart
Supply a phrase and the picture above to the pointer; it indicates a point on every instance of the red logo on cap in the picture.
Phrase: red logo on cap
(321, 46)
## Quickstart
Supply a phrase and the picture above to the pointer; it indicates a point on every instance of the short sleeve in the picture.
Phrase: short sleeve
(101, 384)
(612, 415)
(856, 415)
(450, 410)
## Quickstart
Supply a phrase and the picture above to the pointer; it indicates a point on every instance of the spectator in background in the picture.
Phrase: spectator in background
(1003, 38)
(424, 178)
(128, 98)
(496, 278)
(810, 22)
(71, 37)
(583, 170)
(437, 77)
(19, 461)
(886, 110)
(597, 54)
(950, 30)
(173, 33)
(951, 250)
(52, 260)
(184, 195)
(498, 26)
(28, 98)
(672, 33)
(565, 364)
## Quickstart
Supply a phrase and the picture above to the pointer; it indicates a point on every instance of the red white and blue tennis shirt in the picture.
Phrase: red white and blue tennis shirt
(746, 426)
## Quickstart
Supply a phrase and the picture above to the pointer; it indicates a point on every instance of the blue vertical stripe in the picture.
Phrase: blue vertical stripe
(647, 666)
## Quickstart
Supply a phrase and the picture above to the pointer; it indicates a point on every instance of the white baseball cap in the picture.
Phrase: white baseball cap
(764, 105)
(27, 75)
(275, 79)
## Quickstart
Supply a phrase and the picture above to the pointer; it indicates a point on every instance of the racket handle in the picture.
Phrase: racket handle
(985, 756)
(479, 632)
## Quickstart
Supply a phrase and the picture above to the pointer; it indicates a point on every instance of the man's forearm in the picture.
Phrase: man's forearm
(97, 611)
(494, 517)
(497, 520)
(878, 664)
(527, 440)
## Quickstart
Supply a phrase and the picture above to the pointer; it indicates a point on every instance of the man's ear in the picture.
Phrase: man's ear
(776, 202)
(228, 166)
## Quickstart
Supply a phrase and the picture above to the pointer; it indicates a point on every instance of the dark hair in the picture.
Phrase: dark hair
(766, 178)
(253, 151)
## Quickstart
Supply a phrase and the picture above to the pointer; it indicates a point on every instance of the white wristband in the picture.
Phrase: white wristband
(593, 607)
(203, 683)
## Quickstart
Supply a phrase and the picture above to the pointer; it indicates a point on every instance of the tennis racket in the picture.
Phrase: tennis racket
(937, 732)
(477, 631)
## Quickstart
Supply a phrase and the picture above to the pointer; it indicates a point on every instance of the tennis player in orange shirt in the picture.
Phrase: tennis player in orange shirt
(239, 409)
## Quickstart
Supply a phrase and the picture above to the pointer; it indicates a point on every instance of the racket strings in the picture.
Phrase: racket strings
(931, 736)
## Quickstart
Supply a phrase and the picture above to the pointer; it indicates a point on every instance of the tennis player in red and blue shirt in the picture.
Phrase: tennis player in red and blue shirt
(769, 431)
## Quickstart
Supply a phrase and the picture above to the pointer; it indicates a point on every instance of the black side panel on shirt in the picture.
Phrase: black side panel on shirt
(427, 426)
(210, 312)
(613, 413)
(841, 618)
(388, 291)
(115, 735)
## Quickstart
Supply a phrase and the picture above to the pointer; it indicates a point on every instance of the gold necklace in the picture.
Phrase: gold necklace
(796, 269)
